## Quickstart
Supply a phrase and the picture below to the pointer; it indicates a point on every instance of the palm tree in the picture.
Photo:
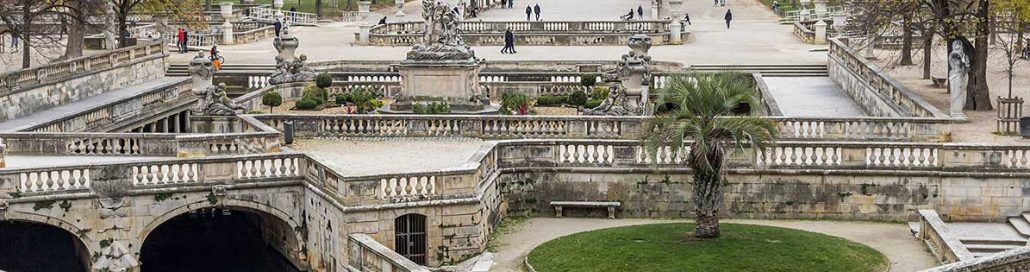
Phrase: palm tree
(699, 115)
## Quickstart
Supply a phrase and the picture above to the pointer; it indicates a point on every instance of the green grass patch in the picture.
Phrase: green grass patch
(663, 247)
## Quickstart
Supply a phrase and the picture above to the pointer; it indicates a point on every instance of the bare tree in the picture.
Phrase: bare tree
(187, 11)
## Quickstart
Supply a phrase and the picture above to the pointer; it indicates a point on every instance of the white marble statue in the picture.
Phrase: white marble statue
(958, 77)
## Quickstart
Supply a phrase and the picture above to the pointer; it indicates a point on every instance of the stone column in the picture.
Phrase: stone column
(227, 31)
(870, 47)
(363, 10)
(400, 9)
(363, 34)
(675, 13)
(111, 28)
(820, 32)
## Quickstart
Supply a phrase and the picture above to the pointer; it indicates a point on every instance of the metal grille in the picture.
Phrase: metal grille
(411, 237)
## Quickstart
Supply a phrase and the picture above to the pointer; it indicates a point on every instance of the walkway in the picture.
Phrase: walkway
(811, 97)
(756, 37)
(389, 156)
(893, 240)
(87, 104)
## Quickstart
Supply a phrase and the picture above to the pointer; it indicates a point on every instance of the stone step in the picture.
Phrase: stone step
(1026, 216)
(992, 241)
(978, 248)
(1021, 225)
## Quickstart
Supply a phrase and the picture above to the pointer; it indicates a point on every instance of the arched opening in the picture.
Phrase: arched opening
(30, 246)
(411, 237)
(219, 239)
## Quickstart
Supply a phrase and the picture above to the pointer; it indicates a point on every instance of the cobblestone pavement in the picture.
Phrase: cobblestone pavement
(893, 240)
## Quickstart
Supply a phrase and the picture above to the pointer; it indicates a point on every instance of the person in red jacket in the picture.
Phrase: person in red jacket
(181, 41)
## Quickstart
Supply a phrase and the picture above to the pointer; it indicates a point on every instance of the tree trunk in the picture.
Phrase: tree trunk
(927, 51)
(76, 31)
(348, 4)
(906, 43)
(26, 36)
(708, 193)
(979, 97)
(318, 8)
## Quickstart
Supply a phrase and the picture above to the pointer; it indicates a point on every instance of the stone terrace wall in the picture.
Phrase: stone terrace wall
(31, 90)
(878, 94)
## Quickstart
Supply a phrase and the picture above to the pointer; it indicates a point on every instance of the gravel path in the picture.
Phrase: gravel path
(893, 240)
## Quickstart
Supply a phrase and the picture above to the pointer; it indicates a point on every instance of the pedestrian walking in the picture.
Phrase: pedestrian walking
(382, 21)
(179, 40)
(536, 10)
(504, 3)
(185, 41)
(640, 12)
(728, 17)
(511, 3)
(776, 6)
(278, 26)
(14, 42)
(529, 11)
(716, 3)
(630, 15)
(722, 2)
(293, 14)
(509, 42)
(686, 17)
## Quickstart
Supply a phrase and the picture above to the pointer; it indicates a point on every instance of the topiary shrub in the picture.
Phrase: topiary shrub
(323, 80)
(588, 80)
(342, 99)
(306, 104)
(599, 93)
(314, 93)
(592, 103)
(551, 100)
(431, 108)
(272, 100)
(578, 98)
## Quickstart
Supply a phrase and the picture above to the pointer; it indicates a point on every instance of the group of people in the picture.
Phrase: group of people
(183, 39)
(535, 9)
(721, 3)
(507, 3)
(640, 14)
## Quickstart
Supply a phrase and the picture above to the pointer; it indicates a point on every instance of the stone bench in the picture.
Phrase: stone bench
(939, 82)
(611, 205)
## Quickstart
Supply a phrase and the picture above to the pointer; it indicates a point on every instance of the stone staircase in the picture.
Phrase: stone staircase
(800, 70)
(181, 70)
(979, 246)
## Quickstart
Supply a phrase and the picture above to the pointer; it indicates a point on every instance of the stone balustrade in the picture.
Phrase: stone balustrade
(803, 32)
(594, 127)
(941, 242)
(366, 254)
(157, 100)
(267, 14)
(255, 138)
(21, 91)
(571, 33)
(173, 172)
(877, 93)
(1017, 259)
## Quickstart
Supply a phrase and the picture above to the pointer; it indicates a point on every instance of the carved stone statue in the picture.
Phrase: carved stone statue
(614, 104)
(288, 67)
(212, 100)
(440, 40)
(633, 80)
(958, 77)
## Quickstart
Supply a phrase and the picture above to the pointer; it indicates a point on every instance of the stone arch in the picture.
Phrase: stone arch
(79, 236)
(296, 241)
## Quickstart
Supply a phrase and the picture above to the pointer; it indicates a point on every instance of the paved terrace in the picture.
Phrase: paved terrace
(756, 37)
(812, 97)
(389, 156)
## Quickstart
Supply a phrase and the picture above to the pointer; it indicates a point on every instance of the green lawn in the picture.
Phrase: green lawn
(662, 247)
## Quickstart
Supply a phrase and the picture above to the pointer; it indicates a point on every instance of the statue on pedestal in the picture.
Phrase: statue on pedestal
(958, 77)
(629, 82)
(288, 67)
(440, 40)
(212, 100)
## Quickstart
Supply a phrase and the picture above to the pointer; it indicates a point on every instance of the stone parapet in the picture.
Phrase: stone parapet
(568, 33)
(876, 92)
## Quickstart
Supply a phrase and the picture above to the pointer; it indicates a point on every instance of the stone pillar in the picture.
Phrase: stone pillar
(363, 34)
(400, 8)
(110, 36)
(870, 46)
(175, 123)
(820, 32)
(654, 9)
(3, 154)
(958, 101)
(675, 31)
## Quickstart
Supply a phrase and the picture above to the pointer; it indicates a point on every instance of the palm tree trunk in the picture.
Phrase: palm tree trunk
(708, 194)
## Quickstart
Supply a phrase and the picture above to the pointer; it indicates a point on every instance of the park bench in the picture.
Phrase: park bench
(611, 205)
(939, 82)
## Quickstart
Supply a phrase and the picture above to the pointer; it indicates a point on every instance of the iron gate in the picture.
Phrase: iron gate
(411, 237)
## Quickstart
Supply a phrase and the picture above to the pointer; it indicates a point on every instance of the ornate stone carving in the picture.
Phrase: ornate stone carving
(116, 258)
(440, 41)
(287, 67)
(630, 81)
(212, 100)
(3, 209)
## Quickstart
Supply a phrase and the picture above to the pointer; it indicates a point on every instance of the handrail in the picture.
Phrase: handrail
(881, 94)
(368, 255)
(25, 79)
(942, 243)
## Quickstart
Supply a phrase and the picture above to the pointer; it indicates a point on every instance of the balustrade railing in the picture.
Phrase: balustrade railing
(15, 81)
(155, 101)
(876, 92)
(531, 33)
(267, 14)
(368, 255)
(595, 127)
(939, 239)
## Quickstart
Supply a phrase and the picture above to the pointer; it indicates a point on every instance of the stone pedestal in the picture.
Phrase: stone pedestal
(215, 124)
(455, 83)
(820, 32)
(675, 30)
(363, 33)
(958, 101)
(227, 31)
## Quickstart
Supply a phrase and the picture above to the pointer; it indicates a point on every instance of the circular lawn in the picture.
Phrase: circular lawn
(664, 247)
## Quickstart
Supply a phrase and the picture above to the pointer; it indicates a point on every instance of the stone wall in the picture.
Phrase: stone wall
(40, 97)
(878, 94)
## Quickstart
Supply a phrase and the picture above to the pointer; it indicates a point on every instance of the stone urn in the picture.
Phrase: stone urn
(364, 7)
(227, 31)
(277, 4)
(400, 8)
